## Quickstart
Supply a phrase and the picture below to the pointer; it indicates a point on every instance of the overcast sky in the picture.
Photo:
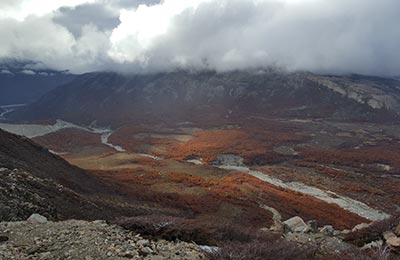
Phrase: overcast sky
(324, 36)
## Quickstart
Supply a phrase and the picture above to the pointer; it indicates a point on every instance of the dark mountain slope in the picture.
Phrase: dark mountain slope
(21, 153)
(22, 88)
(32, 180)
(35, 181)
(110, 98)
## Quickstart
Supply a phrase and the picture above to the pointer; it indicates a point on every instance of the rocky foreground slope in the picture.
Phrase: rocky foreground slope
(82, 240)
(32, 180)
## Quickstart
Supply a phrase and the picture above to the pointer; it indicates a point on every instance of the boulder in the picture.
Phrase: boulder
(146, 251)
(388, 234)
(393, 243)
(142, 242)
(373, 245)
(209, 249)
(360, 226)
(313, 225)
(327, 230)
(397, 230)
(101, 223)
(295, 224)
(37, 219)
(345, 232)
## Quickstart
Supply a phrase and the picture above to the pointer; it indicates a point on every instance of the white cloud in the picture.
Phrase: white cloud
(20, 9)
(319, 35)
(140, 27)
(40, 39)
(340, 36)
(4, 71)
(28, 72)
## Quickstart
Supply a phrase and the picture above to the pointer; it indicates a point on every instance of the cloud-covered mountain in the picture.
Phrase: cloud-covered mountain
(209, 97)
(356, 36)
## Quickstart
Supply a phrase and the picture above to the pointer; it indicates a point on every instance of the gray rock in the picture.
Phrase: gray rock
(102, 223)
(389, 234)
(373, 245)
(209, 249)
(295, 224)
(397, 230)
(46, 256)
(327, 230)
(393, 243)
(312, 224)
(360, 226)
(146, 251)
(37, 219)
(345, 232)
(142, 242)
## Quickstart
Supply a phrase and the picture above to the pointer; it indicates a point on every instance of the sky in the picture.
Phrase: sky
(144, 36)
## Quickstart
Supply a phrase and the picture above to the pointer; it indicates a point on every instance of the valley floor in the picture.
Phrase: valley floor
(341, 174)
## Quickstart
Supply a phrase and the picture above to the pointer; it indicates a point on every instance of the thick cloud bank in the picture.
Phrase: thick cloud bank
(340, 36)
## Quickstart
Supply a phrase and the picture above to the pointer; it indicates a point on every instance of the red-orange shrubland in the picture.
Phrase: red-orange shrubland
(254, 145)
(144, 161)
(236, 189)
(387, 154)
(138, 139)
(291, 203)
(325, 170)
(68, 139)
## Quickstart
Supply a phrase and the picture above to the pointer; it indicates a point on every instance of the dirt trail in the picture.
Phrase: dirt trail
(276, 217)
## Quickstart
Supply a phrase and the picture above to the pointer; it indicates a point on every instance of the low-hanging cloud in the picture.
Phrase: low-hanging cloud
(341, 36)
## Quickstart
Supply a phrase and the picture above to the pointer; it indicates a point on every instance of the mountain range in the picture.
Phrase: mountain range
(112, 99)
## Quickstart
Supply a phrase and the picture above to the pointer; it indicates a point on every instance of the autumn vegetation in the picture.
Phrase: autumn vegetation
(373, 232)
(359, 158)
(69, 139)
(216, 207)
(255, 145)
(234, 197)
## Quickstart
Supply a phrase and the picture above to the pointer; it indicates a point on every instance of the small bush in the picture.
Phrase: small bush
(280, 249)
(192, 230)
(382, 253)
(262, 250)
(373, 232)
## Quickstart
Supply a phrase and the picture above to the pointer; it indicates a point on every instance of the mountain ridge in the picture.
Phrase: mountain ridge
(110, 98)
